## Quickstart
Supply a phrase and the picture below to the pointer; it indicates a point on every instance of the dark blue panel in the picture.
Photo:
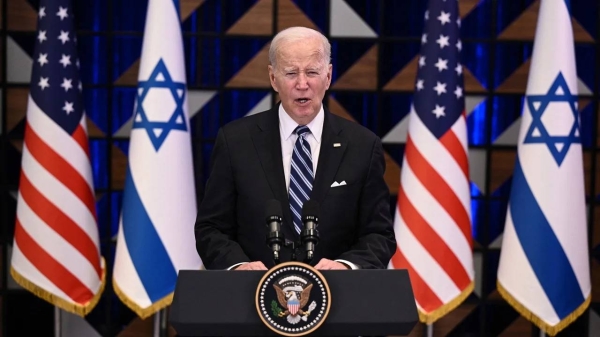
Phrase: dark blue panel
(478, 219)
(403, 18)
(394, 57)
(477, 129)
(478, 24)
(129, 15)
(122, 107)
(99, 157)
(345, 53)
(207, 121)
(362, 106)
(8, 218)
(585, 55)
(475, 191)
(587, 126)
(505, 111)
(116, 199)
(490, 269)
(237, 103)
(396, 151)
(11, 163)
(93, 59)
(503, 191)
(317, 12)
(476, 57)
(497, 217)
(234, 10)
(91, 15)
(102, 206)
(207, 18)
(96, 107)
(369, 11)
(509, 57)
(203, 62)
(122, 145)
(126, 50)
(508, 11)
(394, 107)
(237, 52)
(26, 42)
(586, 13)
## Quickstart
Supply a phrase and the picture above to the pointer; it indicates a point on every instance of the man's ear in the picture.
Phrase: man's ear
(329, 73)
(272, 78)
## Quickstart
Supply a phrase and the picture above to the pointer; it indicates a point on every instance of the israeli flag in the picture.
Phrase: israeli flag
(156, 232)
(544, 264)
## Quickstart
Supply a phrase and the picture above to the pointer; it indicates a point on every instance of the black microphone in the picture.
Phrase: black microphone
(274, 217)
(310, 234)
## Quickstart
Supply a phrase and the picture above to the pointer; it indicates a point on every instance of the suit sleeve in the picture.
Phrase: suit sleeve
(376, 242)
(216, 227)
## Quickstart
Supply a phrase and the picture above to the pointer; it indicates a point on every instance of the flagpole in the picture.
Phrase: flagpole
(57, 322)
(429, 330)
(160, 323)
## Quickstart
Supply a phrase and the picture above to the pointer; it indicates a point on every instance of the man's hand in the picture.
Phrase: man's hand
(256, 265)
(326, 264)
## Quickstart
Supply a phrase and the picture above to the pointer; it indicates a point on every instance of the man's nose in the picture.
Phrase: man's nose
(302, 82)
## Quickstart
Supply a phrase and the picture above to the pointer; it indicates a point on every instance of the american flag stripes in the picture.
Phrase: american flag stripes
(432, 221)
(56, 247)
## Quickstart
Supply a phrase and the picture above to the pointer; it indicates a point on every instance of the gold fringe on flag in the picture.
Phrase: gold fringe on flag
(551, 330)
(142, 312)
(75, 308)
(430, 317)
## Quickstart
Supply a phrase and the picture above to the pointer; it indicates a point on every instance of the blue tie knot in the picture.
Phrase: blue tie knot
(301, 130)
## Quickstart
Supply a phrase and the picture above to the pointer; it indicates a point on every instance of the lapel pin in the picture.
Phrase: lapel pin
(337, 144)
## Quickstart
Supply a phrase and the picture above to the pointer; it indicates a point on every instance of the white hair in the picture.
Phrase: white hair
(295, 34)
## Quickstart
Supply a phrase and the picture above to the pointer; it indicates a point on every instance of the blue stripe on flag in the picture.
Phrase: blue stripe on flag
(147, 252)
(544, 252)
(176, 3)
(568, 3)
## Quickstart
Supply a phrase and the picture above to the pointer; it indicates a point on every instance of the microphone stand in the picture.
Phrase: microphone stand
(292, 244)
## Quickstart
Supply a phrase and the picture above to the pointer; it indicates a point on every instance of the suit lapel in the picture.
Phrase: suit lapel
(332, 151)
(267, 143)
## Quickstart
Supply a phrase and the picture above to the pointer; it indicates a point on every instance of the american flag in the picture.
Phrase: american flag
(56, 248)
(432, 221)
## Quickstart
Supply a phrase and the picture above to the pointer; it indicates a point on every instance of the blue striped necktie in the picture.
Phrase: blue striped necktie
(301, 176)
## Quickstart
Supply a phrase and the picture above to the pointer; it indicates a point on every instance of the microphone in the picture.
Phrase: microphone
(274, 216)
(310, 234)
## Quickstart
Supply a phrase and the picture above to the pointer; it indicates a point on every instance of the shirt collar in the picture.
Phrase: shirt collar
(287, 125)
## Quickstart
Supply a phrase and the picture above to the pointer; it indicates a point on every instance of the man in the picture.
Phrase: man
(295, 152)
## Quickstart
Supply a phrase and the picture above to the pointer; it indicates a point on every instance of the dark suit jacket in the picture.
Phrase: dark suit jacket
(247, 170)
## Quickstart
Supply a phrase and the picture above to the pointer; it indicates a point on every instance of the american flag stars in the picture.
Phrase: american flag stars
(56, 62)
(439, 64)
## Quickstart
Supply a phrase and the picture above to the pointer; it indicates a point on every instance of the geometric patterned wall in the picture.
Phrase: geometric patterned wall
(374, 54)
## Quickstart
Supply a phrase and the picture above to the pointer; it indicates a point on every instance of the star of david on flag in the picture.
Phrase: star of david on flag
(159, 130)
(538, 131)
(159, 199)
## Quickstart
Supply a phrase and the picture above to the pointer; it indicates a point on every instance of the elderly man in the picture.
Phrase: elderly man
(295, 152)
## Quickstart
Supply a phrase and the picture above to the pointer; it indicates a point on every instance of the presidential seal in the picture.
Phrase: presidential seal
(293, 299)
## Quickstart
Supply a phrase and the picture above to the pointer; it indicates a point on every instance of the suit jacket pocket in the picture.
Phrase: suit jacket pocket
(341, 190)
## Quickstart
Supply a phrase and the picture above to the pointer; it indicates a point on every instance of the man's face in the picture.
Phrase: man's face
(301, 78)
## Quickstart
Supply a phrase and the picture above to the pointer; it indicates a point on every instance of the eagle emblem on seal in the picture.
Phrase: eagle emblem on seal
(293, 294)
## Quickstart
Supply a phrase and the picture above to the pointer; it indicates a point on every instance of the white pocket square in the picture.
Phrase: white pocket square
(336, 184)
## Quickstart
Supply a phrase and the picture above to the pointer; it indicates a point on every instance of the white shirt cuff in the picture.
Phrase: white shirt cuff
(348, 263)
(235, 265)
